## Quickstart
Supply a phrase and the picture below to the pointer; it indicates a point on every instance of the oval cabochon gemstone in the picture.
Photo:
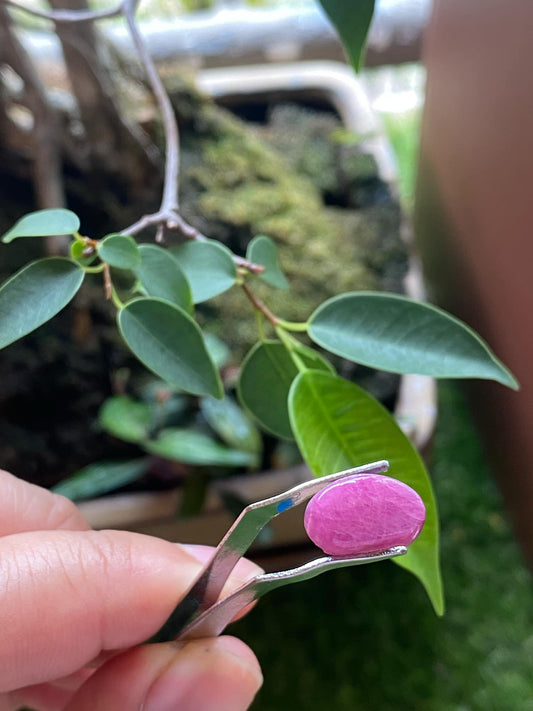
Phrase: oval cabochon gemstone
(365, 513)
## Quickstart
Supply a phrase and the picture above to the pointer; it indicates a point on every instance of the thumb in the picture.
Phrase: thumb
(220, 674)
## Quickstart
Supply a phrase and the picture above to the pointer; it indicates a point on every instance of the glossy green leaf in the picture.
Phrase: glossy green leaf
(125, 418)
(101, 478)
(161, 275)
(44, 223)
(262, 250)
(217, 349)
(168, 341)
(400, 335)
(337, 426)
(35, 294)
(231, 424)
(208, 266)
(351, 19)
(191, 447)
(120, 251)
(266, 377)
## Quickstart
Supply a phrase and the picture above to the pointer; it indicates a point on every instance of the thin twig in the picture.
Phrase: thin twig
(170, 125)
(260, 306)
(67, 16)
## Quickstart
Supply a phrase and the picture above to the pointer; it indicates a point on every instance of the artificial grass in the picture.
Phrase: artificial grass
(367, 639)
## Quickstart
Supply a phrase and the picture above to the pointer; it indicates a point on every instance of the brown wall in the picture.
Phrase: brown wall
(475, 211)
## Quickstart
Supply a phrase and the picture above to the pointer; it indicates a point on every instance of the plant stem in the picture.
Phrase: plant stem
(289, 342)
(260, 306)
(293, 325)
(94, 270)
(169, 201)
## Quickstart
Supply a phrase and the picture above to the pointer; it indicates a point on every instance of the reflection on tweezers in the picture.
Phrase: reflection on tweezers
(204, 593)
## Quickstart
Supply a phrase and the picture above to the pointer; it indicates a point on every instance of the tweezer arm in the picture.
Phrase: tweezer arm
(205, 591)
(213, 621)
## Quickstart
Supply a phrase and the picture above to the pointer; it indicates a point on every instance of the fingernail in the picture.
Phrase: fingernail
(219, 674)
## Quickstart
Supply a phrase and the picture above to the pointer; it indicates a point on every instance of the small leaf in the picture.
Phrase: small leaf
(337, 426)
(217, 349)
(231, 424)
(168, 341)
(400, 335)
(352, 20)
(120, 251)
(76, 252)
(125, 418)
(208, 266)
(161, 275)
(262, 250)
(101, 478)
(44, 223)
(35, 294)
(191, 447)
(266, 376)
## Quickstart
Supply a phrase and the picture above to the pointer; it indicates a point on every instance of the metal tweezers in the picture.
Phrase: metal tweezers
(201, 614)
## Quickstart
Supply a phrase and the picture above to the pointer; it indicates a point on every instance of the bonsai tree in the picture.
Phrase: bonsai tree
(288, 386)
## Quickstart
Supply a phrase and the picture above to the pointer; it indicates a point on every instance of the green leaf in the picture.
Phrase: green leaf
(44, 223)
(191, 447)
(397, 334)
(266, 377)
(168, 341)
(217, 349)
(125, 418)
(161, 275)
(76, 252)
(337, 426)
(208, 266)
(262, 250)
(351, 19)
(101, 478)
(231, 424)
(35, 294)
(120, 251)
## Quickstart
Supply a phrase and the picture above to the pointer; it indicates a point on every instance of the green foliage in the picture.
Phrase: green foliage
(351, 19)
(266, 377)
(119, 251)
(337, 426)
(288, 388)
(44, 223)
(35, 294)
(125, 418)
(263, 251)
(190, 447)
(231, 424)
(160, 275)
(169, 342)
(209, 268)
(101, 478)
(397, 334)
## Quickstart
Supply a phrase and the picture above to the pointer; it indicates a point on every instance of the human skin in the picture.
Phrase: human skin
(75, 605)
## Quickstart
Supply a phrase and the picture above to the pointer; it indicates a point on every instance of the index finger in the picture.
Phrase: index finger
(65, 596)
(27, 507)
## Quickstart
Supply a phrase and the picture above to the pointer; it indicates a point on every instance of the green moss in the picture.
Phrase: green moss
(241, 186)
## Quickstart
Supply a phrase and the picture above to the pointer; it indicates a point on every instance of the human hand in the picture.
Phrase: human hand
(76, 603)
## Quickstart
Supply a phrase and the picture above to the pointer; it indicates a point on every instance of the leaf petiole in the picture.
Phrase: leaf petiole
(295, 326)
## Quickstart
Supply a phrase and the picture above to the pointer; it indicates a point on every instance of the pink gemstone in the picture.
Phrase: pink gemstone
(365, 513)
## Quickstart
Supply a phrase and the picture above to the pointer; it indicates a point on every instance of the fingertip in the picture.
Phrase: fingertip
(220, 674)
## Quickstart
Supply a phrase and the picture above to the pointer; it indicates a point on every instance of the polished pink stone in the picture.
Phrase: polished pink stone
(365, 513)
